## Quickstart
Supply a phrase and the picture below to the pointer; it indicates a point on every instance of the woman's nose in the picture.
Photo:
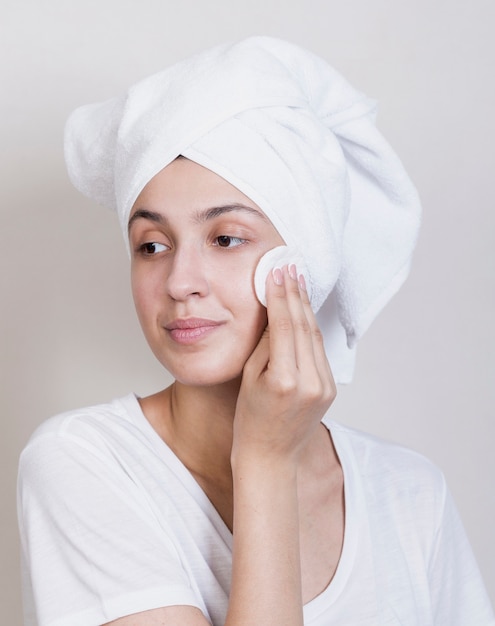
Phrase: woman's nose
(187, 276)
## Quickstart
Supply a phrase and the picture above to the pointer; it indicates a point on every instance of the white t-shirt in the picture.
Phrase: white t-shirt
(112, 524)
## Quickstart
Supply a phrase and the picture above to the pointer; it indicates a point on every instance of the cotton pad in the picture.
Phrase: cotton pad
(278, 257)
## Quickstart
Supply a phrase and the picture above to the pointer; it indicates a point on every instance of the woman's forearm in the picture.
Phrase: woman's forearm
(266, 574)
(286, 388)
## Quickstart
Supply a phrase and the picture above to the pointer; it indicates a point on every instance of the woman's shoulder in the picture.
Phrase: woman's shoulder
(394, 467)
(75, 422)
(92, 429)
(400, 490)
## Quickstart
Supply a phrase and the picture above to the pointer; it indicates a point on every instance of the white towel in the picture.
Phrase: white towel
(291, 133)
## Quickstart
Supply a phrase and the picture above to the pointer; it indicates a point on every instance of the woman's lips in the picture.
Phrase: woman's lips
(187, 331)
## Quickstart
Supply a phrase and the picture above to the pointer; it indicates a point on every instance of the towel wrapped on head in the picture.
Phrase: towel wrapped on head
(291, 133)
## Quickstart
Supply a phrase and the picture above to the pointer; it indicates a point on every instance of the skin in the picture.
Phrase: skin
(251, 386)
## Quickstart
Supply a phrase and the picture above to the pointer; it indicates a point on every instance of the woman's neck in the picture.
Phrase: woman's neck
(196, 423)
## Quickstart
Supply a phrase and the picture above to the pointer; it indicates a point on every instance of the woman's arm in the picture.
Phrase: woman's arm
(287, 387)
(166, 616)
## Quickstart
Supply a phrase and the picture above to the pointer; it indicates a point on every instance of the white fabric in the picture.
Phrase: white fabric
(291, 133)
(112, 523)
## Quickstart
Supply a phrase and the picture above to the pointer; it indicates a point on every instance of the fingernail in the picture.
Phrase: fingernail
(293, 271)
(302, 282)
(277, 276)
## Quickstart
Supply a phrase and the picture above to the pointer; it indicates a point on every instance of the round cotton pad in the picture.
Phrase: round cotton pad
(278, 257)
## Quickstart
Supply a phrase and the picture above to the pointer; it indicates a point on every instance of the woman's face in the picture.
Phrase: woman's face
(195, 243)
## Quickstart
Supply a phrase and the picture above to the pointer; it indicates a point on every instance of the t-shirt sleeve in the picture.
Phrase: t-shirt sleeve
(92, 550)
(458, 594)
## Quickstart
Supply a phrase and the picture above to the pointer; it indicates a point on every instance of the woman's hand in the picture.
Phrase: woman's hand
(287, 384)
(286, 388)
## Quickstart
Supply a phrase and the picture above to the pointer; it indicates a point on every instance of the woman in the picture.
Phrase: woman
(249, 174)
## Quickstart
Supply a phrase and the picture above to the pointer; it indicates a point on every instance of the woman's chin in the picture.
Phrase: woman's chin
(209, 382)
(205, 376)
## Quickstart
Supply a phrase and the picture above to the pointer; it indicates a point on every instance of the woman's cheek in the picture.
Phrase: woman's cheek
(143, 290)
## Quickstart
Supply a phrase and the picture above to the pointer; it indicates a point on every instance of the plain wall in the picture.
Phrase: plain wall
(425, 374)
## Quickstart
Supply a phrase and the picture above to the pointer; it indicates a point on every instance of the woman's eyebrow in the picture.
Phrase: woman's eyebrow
(213, 212)
(201, 216)
(153, 216)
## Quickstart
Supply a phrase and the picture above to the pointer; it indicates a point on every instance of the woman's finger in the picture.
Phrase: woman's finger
(280, 323)
(311, 356)
(316, 334)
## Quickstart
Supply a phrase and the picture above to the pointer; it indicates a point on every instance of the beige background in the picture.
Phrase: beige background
(425, 372)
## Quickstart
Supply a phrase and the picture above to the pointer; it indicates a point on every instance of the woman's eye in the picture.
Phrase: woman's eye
(224, 241)
(151, 248)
